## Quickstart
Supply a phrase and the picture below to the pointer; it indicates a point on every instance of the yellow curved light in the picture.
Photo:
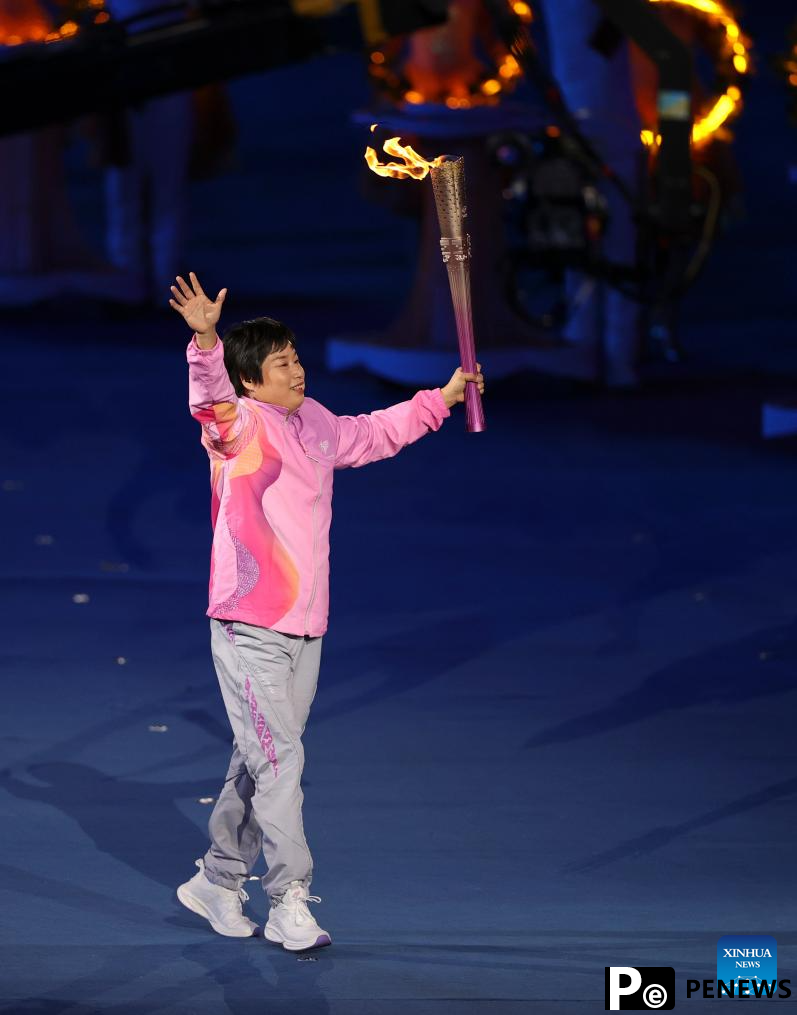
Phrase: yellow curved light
(714, 119)
(729, 103)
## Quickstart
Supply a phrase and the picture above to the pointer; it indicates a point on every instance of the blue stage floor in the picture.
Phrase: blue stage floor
(555, 723)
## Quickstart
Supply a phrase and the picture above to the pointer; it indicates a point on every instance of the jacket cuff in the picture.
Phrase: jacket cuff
(445, 412)
(195, 350)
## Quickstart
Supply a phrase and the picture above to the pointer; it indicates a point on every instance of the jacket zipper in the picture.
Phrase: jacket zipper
(315, 537)
(315, 569)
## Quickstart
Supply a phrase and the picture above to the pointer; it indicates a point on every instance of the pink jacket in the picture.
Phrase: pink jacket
(271, 491)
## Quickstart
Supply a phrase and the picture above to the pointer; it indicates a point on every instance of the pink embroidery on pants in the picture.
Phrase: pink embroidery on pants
(261, 727)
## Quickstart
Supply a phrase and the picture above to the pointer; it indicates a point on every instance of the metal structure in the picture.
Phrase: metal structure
(102, 68)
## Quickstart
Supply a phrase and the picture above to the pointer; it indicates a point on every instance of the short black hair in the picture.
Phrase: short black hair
(247, 344)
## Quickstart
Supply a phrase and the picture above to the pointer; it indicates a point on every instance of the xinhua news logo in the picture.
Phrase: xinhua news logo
(747, 965)
(640, 988)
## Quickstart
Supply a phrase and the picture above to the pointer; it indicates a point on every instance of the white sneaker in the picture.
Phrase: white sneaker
(220, 906)
(291, 924)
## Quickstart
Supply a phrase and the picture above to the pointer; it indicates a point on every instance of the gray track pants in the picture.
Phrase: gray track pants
(268, 682)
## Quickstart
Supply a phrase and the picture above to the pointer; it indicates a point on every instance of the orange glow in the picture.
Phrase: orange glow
(457, 94)
(102, 17)
(553, 131)
(729, 103)
(509, 68)
(713, 120)
(412, 165)
(23, 21)
(710, 7)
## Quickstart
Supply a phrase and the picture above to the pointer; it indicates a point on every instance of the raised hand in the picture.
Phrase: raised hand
(199, 312)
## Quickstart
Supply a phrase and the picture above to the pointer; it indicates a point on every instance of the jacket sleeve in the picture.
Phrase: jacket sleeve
(227, 425)
(373, 436)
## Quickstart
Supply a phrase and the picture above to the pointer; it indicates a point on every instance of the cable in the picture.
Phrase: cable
(509, 27)
(709, 232)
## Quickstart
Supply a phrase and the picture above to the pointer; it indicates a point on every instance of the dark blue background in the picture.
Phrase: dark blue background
(554, 728)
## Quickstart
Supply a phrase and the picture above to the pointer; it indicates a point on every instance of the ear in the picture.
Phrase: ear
(249, 385)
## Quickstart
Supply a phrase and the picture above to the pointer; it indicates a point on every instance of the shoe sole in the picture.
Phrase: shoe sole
(322, 941)
(193, 903)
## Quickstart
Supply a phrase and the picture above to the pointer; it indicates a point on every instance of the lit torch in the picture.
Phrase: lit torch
(448, 183)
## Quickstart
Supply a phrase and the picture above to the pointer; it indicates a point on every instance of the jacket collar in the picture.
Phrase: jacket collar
(280, 409)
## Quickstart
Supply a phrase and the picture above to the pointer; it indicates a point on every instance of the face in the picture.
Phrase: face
(283, 380)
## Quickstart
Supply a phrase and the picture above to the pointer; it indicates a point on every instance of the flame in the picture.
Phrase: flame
(412, 167)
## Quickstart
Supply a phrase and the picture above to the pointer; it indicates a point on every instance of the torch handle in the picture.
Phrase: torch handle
(456, 256)
(474, 411)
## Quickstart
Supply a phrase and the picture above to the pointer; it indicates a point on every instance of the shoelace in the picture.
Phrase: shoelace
(303, 914)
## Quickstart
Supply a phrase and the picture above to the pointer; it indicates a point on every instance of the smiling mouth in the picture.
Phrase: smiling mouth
(298, 387)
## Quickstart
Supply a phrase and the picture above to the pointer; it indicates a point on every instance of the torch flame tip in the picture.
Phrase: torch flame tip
(412, 166)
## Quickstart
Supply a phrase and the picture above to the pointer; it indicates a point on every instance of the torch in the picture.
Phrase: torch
(448, 183)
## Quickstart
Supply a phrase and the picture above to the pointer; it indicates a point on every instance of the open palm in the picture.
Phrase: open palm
(199, 311)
